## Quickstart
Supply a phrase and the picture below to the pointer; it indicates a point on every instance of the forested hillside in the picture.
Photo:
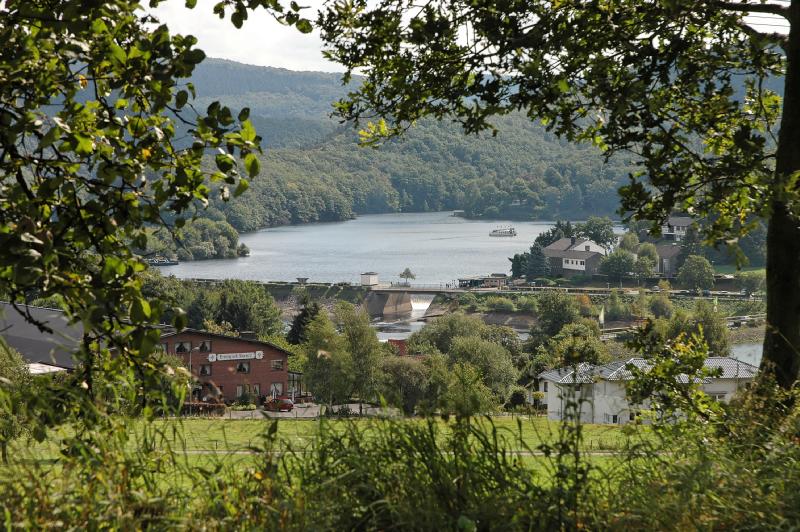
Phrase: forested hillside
(313, 169)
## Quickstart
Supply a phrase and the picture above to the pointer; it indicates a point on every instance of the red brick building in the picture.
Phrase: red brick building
(228, 367)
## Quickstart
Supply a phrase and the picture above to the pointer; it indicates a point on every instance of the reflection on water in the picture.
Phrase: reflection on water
(750, 353)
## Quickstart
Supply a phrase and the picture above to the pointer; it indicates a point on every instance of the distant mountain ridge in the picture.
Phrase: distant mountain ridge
(313, 169)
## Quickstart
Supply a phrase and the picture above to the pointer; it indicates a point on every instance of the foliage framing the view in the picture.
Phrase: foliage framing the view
(656, 79)
(90, 162)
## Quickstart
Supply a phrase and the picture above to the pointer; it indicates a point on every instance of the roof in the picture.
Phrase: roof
(37, 368)
(680, 221)
(370, 273)
(565, 248)
(732, 368)
(37, 346)
(585, 374)
(577, 254)
(563, 244)
(226, 337)
(620, 370)
(667, 251)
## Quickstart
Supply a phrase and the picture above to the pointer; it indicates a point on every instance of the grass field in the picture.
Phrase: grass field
(234, 438)
(730, 269)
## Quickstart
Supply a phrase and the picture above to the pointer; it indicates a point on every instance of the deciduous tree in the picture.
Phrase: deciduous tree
(92, 157)
(682, 85)
(696, 273)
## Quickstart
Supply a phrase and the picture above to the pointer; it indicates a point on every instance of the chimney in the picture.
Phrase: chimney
(572, 239)
(248, 335)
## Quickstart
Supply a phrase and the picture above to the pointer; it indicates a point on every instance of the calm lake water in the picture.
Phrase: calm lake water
(438, 248)
(750, 353)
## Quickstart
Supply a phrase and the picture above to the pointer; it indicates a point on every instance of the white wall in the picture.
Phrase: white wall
(606, 399)
(574, 264)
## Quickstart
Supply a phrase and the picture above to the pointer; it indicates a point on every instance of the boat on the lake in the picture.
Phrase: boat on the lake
(161, 261)
(504, 231)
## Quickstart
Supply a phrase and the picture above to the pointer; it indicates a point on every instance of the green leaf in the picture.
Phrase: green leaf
(195, 56)
(304, 26)
(85, 145)
(252, 164)
(243, 185)
(140, 309)
(181, 98)
(118, 53)
(224, 162)
(248, 132)
(191, 4)
(563, 86)
(244, 114)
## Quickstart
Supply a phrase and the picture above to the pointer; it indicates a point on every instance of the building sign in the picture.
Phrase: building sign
(219, 357)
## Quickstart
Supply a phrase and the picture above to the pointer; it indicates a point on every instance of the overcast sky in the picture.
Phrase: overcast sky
(261, 41)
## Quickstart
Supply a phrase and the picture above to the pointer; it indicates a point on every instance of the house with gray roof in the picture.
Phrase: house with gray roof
(601, 388)
(675, 227)
(574, 256)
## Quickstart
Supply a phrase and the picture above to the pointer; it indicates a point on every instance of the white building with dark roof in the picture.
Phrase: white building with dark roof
(675, 227)
(569, 256)
(601, 388)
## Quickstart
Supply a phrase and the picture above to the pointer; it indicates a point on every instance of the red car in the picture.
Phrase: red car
(280, 404)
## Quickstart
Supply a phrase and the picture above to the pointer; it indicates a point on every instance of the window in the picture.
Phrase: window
(164, 347)
(277, 365)
(205, 370)
(717, 396)
(239, 390)
(545, 386)
(632, 416)
(587, 248)
(205, 346)
(256, 389)
(183, 347)
(276, 388)
(582, 263)
(614, 419)
(243, 367)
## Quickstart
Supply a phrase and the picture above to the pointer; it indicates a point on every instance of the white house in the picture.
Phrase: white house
(574, 256)
(676, 227)
(601, 389)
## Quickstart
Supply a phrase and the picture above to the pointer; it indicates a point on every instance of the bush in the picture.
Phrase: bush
(500, 304)
(527, 304)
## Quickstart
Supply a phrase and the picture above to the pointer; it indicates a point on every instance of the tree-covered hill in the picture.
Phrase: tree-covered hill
(313, 169)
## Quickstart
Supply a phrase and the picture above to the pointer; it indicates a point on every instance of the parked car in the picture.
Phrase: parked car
(655, 288)
(279, 404)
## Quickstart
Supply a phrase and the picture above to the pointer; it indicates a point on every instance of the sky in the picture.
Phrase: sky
(263, 41)
(260, 41)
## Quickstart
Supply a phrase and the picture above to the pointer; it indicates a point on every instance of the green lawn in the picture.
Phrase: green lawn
(218, 436)
(731, 269)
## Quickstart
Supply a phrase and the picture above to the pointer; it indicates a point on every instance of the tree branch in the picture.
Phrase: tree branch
(741, 7)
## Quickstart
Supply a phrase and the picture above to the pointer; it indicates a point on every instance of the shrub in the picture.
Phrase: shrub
(527, 304)
(500, 304)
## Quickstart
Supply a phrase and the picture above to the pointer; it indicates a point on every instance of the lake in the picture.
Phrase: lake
(750, 353)
(437, 246)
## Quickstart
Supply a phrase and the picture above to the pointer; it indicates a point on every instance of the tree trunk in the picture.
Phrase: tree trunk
(782, 339)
